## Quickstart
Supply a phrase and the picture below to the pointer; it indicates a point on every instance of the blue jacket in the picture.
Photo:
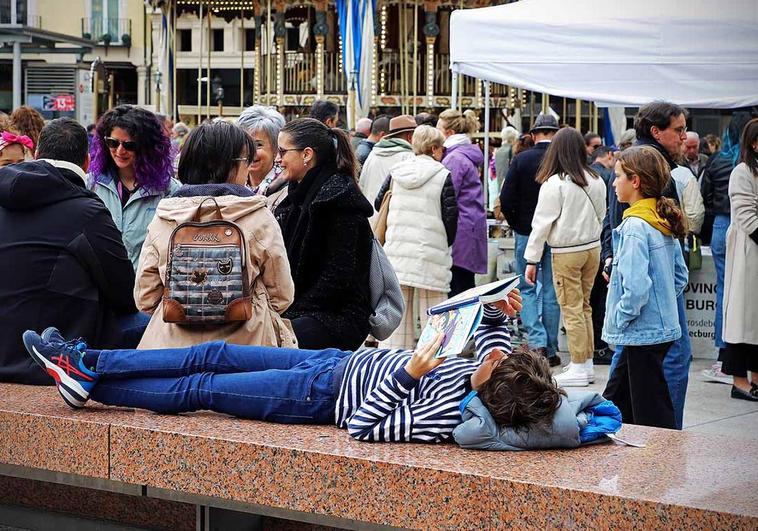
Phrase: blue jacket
(583, 417)
(133, 219)
(647, 277)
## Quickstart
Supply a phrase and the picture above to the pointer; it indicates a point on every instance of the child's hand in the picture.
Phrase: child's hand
(423, 360)
(530, 275)
(510, 306)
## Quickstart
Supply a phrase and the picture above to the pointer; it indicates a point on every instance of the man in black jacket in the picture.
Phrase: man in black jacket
(663, 126)
(64, 263)
(518, 200)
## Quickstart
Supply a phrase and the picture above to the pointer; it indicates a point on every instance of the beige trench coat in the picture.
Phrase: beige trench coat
(741, 274)
(271, 283)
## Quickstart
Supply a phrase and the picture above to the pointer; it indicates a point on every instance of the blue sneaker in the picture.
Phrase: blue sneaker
(63, 361)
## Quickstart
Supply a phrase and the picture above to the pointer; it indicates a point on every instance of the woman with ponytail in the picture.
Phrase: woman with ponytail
(462, 159)
(324, 221)
(648, 273)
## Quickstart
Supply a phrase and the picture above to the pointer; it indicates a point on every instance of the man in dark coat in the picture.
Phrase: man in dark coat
(518, 201)
(64, 263)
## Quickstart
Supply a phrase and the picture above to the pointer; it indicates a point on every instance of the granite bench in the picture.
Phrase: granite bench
(177, 471)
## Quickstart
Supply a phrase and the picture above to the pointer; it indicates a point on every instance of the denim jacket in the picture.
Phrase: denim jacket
(647, 276)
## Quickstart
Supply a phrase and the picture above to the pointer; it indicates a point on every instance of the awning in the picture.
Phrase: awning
(696, 54)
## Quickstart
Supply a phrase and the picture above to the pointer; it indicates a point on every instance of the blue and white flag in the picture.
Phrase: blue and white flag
(356, 23)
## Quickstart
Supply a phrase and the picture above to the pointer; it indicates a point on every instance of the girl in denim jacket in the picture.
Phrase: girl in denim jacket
(648, 274)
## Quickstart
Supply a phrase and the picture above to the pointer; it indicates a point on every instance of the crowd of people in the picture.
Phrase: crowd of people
(88, 222)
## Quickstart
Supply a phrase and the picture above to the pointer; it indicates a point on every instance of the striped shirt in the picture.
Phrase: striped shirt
(379, 401)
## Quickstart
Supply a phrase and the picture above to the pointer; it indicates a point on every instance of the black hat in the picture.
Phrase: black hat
(545, 122)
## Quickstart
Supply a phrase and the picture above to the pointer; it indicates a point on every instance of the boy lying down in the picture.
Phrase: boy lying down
(376, 394)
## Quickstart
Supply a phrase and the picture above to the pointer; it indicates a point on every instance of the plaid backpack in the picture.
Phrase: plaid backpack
(206, 275)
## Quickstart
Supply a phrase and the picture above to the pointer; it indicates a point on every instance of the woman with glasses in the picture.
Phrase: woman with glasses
(214, 162)
(324, 220)
(131, 170)
(264, 124)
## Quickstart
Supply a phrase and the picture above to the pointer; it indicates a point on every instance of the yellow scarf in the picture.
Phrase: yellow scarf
(645, 209)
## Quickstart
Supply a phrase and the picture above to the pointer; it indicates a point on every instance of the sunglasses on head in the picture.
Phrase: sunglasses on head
(113, 143)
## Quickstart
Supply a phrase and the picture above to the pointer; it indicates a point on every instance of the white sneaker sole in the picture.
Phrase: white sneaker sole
(710, 377)
(572, 383)
(71, 390)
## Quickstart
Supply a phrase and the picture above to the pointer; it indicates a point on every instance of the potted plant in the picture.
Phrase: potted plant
(126, 40)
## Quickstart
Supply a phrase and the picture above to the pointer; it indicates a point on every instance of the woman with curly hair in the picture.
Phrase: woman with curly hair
(27, 121)
(131, 170)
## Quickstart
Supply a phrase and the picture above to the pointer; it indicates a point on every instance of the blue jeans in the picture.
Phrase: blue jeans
(718, 249)
(540, 313)
(130, 328)
(290, 386)
(676, 365)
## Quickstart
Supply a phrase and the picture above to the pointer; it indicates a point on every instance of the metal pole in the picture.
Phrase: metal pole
(269, 29)
(16, 60)
(454, 91)
(415, 55)
(578, 123)
(200, 71)
(174, 105)
(208, 69)
(242, 60)
(485, 187)
(16, 73)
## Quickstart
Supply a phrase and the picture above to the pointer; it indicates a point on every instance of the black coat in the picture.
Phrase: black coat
(715, 184)
(328, 240)
(518, 198)
(63, 264)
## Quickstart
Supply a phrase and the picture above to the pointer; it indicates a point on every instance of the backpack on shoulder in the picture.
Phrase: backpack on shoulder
(206, 274)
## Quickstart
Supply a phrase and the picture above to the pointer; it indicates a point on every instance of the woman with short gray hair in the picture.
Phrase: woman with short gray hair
(264, 124)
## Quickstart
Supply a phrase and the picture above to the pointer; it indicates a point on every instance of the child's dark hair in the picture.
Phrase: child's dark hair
(331, 146)
(521, 391)
(210, 149)
(653, 170)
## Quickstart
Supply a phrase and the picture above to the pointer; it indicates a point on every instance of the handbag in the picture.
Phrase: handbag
(380, 225)
(693, 256)
(385, 293)
(206, 274)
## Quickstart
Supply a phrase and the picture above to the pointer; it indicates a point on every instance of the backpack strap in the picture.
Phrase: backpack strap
(196, 217)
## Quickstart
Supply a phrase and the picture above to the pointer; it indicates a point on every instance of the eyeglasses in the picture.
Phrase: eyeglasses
(282, 151)
(243, 159)
(113, 143)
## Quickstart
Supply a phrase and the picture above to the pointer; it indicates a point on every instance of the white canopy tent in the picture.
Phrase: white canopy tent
(698, 53)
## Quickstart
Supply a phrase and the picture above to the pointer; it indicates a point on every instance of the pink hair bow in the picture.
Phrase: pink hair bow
(9, 138)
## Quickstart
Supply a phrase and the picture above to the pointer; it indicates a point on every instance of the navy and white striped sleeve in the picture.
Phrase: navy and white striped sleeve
(492, 333)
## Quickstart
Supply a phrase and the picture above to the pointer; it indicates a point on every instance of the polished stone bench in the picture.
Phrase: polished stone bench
(187, 467)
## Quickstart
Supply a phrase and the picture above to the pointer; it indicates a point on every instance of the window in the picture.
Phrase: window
(218, 40)
(104, 19)
(249, 40)
(185, 40)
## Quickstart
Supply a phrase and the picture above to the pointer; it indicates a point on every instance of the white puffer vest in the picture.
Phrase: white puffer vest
(416, 242)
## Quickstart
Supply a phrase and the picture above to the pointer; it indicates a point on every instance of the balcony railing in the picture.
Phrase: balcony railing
(111, 31)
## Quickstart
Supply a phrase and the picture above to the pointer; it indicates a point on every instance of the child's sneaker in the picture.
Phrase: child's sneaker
(573, 375)
(714, 374)
(63, 361)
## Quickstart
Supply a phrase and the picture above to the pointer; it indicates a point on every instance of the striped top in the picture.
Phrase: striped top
(379, 401)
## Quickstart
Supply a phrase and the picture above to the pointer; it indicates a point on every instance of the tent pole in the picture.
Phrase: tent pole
(454, 91)
(485, 187)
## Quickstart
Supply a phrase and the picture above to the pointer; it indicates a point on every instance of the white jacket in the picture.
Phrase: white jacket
(416, 242)
(383, 157)
(568, 217)
(688, 190)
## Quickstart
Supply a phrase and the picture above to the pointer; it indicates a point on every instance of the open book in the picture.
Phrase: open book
(459, 316)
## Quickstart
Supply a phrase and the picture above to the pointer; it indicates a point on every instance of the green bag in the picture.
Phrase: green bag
(692, 253)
